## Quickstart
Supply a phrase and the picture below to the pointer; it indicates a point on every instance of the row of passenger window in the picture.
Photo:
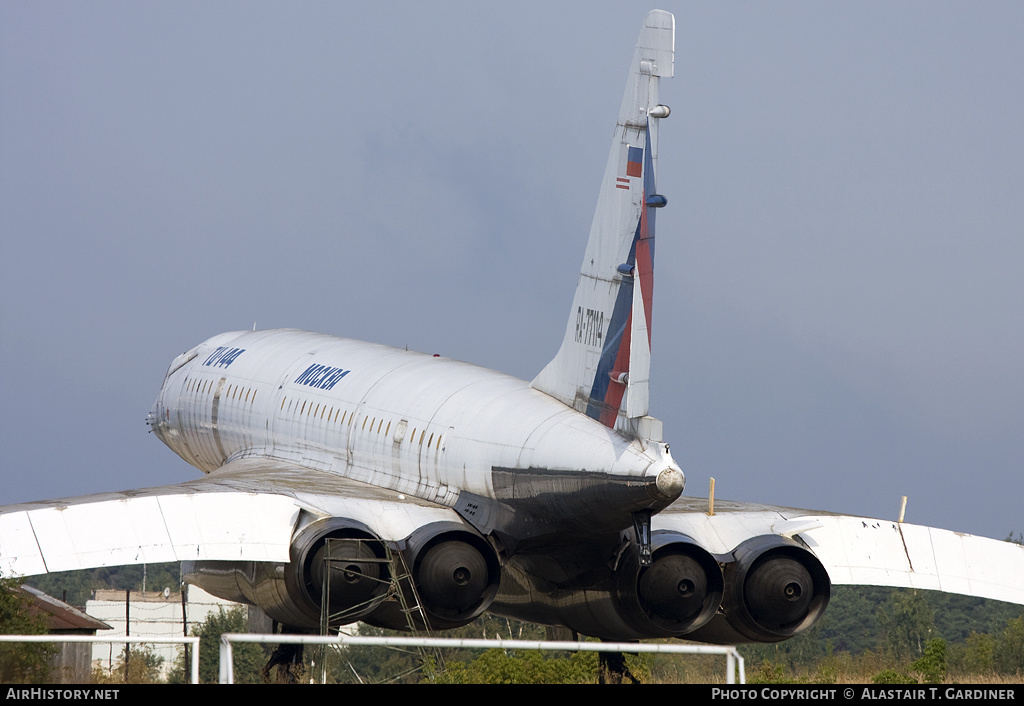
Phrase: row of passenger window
(233, 391)
(331, 414)
(317, 410)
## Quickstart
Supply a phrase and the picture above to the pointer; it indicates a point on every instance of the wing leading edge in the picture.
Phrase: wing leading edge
(171, 524)
(273, 534)
(248, 510)
(863, 551)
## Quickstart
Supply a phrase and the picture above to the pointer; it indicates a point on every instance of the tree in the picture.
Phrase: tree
(248, 659)
(932, 664)
(373, 664)
(1008, 654)
(76, 587)
(140, 667)
(975, 655)
(908, 622)
(525, 667)
(24, 662)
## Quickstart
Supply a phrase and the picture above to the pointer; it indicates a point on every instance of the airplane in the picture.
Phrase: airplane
(357, 467)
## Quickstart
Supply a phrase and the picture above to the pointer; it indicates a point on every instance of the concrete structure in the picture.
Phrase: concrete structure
(150, 613)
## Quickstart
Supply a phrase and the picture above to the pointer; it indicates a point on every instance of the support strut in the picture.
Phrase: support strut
(642, 528)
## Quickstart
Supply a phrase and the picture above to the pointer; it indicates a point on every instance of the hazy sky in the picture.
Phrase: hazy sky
(838, 296)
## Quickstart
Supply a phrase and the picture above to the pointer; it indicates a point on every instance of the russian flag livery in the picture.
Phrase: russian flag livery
(615, 369)
(634, 165)
(603, 365)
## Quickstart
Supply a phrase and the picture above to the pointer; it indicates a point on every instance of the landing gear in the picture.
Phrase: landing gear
(642, 528)
(612, 669)
(284, 666)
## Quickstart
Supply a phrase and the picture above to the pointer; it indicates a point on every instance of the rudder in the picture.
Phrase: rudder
(603, 365)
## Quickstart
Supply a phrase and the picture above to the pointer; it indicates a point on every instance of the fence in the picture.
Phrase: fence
(733, 659)
(194, 641)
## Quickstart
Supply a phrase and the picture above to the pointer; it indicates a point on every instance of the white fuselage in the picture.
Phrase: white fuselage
(417, 424)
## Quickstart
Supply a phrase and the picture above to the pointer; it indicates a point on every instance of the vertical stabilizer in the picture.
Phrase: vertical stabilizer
(603, 366)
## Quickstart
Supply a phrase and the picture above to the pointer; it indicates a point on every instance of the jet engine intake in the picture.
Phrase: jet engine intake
(680, 591)
(342, 558)
(774, 590)
(337, 554)
(456, 573)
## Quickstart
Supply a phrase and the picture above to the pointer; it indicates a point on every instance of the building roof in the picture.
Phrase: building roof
(63, 618)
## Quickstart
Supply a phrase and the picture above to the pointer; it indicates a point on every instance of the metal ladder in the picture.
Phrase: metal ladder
(398, 574)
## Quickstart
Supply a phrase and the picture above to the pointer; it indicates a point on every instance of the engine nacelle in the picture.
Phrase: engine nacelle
(343, 558)
(679, 592)
(774, 590)
(603, 591)
(340, 554)
(456, 575)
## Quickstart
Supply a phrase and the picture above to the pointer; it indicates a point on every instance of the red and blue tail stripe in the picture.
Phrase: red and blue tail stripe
(609, 385)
